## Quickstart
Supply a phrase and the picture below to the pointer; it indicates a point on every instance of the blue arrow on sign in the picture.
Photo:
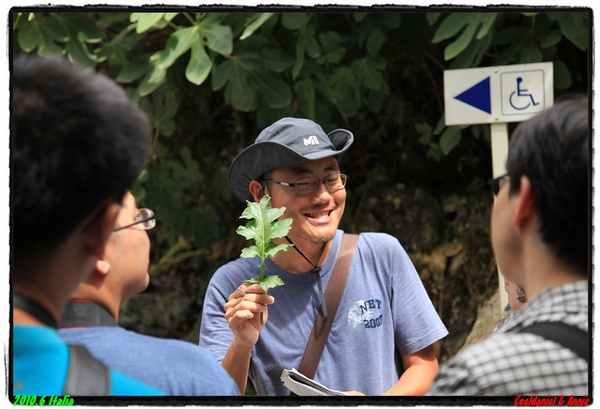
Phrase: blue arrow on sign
(478, 96)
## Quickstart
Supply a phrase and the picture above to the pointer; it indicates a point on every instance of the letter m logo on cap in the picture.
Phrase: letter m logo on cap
(311, 140)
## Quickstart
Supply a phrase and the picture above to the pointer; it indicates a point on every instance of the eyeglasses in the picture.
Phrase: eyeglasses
(145, 217)
(305, 186)
(498, 183)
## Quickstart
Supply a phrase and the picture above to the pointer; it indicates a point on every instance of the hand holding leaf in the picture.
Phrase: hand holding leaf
(263, 227)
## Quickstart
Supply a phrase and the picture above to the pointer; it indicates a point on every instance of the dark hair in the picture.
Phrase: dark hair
(77, 141)
(552, 150)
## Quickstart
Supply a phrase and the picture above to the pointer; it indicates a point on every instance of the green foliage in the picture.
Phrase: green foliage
(47, 34)
(263, 226)
(211, 80)
(469, 25)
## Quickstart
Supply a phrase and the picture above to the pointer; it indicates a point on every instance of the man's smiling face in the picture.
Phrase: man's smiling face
(316, 216)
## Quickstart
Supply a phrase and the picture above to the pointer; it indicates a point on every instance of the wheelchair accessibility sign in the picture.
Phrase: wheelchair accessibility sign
(510, 93)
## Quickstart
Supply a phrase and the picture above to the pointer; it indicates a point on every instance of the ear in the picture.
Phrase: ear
(102, 266)
(525, 207)
(96, 235)
(256, 190)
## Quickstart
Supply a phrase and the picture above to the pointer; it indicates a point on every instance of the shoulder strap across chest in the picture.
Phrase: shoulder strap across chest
(333, 294)
(569, 336)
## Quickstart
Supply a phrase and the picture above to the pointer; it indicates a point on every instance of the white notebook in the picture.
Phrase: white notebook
(303, 386)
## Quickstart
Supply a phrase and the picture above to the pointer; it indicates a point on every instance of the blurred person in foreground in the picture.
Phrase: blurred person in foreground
(175, 367)
(77, 145)
(540, 232)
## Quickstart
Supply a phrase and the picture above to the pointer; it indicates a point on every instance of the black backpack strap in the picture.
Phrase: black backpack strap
(86, 376)
(569, 336)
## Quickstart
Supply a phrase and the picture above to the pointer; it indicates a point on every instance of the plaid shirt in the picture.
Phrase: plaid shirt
(510, 364)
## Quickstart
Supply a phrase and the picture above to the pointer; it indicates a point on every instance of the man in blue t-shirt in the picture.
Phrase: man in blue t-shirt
(77, 145)
(382, 338)
(175, 367)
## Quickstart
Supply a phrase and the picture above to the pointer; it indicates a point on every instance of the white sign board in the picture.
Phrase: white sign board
(509, 93)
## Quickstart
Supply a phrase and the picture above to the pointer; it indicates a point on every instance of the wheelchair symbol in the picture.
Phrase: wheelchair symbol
(520, 94)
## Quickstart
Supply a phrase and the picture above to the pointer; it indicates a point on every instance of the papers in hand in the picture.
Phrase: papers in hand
(303, 386)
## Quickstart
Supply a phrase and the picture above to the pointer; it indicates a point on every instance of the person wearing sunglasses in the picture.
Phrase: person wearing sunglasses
(383, 334)
(90, 319)
(540, 234)
(77, 144)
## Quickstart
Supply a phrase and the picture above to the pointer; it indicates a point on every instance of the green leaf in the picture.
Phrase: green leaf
(281, 228)
(268, 283)
(333, 56)
(133, 70)
(27, 36)
(432, 18)
(358, 17)
(472, 25)
(375, 98)
(305, 95)
(151, 82)
(475, 184)
(295, 21)
(300, 50)
(250, 251)
(277, 60)
(330, 40)
(271, 249)
(82, 31)
(562, 75)
(117, 50)
(276, 93)
(551, 39)
(425, 132)
(255, 22)
(313, 49)
(368, 72)
(238, 91)
(199, 66)
(221, 75)
(344, 85)
(450, 139)
(219, 38)
(79, 53)
(236, 74)
(145, 21)
(254, 280)
(42, 33)
(80, 25)
(391, 20)
(263, 226)
(574, 26)
(178, 43)
(451, 26)
(523, 46)
(375, 41)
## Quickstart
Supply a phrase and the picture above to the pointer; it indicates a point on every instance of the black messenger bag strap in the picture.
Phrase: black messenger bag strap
(569, 336)
(86, 375)
(333, 294)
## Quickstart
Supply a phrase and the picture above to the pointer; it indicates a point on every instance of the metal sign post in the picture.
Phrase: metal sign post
(497, 95)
